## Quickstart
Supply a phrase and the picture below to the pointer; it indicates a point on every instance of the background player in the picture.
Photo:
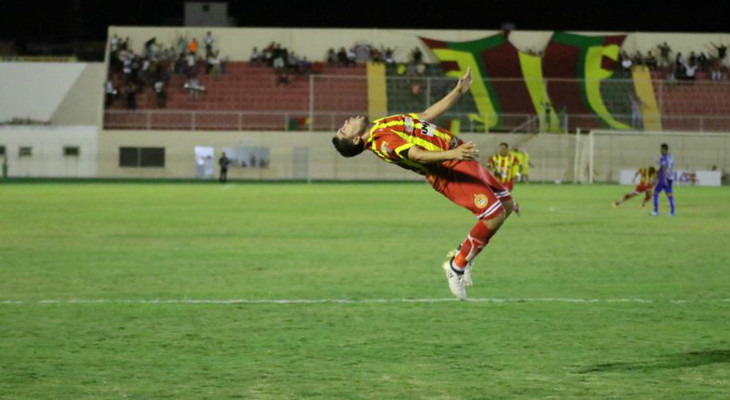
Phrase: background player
(646, 185)
(665, 177)
(524, 162)
(505, 166)
(450, 165)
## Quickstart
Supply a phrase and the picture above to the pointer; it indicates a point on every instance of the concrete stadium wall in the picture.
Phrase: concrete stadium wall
(304, 155)
(47, 158)
(60, 93)
(237, 43)
(552, 155)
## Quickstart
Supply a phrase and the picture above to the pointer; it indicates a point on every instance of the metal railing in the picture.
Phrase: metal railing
(331, 99)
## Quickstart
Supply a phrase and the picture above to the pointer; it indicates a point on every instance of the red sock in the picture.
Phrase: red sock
(473, 244)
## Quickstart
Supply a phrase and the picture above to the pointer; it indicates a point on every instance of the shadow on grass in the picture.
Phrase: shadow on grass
(680, 360)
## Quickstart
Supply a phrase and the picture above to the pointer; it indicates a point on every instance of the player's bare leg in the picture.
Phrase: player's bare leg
(460, 263)
(627, 196)
(647, 197)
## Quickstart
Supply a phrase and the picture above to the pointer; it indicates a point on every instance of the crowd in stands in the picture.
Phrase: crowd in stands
(680, 67)
(131, 73)
(288, 65)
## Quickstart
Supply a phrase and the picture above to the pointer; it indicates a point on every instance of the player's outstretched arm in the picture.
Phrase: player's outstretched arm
(465, 152)
(441, 106)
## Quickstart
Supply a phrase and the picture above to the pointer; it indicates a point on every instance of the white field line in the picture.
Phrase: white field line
(357, 301)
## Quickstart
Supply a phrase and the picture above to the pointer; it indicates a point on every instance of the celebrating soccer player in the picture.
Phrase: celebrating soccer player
(665, 177)
(412, 142)
(646, 184)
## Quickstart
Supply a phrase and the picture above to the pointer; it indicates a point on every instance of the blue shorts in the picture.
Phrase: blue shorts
(661, 186)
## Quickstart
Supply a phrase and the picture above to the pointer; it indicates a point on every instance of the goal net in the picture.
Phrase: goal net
(603, 154)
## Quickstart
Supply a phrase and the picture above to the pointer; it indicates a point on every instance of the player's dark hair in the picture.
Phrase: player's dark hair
(347, 147)
(504, 144)
(665, 146)
(652, 170)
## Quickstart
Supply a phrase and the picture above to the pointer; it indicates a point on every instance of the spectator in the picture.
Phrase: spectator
(651, 61)
(293, 62)
(721, 52)
(194, 88)
(692, 58)
(125, 44)
(131, 92)
(416, 55)
(679, 60)
(672, 77)
(626, 62)
(389, 56)
(331, 57)
(268, 54)
(182, 45)
(110, 93)
(664, 52)
(208, 40)
(362, 52)
(114, 44)
(190, 65)
(716, 70)
(160, 94)
(193, 46)
(255, 56)
(148, 46)
(638, 59)
(689, 71)
(703, 62)
(351, 57)
(127, 67)
(214, 65)
(342, 57)
(305, 66)
(376, 55)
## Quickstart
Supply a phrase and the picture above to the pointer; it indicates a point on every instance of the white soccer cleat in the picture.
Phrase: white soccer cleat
(467, 272)
(456, 281)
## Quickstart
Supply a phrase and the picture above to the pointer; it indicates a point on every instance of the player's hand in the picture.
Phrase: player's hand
(466, 152)
(464, 82)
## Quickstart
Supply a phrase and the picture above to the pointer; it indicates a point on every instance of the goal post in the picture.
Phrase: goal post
(607, 152)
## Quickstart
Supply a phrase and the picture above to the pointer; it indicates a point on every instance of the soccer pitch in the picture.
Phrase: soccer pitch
(335, 291)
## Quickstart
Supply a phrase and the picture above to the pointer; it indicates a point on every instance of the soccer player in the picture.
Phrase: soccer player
(450, 165)
(646, 184)
(505, 166)
(665, 177)
(524, 159)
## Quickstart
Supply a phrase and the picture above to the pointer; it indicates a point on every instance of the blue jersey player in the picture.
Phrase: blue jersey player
(665, 177)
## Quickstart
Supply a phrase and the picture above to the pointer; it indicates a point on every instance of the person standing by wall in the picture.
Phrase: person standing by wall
(224, 162)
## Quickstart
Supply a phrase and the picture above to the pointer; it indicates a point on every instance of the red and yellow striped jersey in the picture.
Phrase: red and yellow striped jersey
(504, 167)
(391, 137)
(647, 178)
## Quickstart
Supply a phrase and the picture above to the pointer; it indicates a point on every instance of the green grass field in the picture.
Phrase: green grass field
(108, 291)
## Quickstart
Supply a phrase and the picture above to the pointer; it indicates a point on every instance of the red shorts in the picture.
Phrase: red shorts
(470, 185)
(642, 188)
(507, 185)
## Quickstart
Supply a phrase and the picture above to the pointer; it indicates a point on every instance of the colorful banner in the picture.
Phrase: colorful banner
(508, 81)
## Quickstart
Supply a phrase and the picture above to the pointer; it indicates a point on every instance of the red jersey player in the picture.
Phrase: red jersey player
(646, 185)
(449, 164)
